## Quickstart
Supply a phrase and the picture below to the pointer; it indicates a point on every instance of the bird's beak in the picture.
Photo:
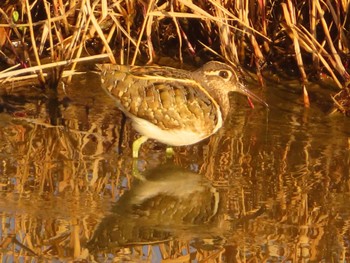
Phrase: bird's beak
(243, 90)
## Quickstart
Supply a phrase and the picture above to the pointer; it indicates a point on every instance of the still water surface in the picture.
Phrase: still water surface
(271, 186)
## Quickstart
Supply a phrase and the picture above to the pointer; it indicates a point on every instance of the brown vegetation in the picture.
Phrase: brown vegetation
(309, 37)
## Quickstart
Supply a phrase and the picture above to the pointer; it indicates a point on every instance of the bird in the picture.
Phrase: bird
(173, 106)
(159, 207)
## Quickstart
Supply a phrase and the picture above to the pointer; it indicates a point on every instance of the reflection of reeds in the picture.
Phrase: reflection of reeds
(294, 175)
(48, 161)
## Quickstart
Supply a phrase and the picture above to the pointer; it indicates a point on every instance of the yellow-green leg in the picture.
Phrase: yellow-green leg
(137, 145)
(135, 170)
(169, 152)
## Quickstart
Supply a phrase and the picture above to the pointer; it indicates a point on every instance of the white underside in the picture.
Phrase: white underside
(169, 137)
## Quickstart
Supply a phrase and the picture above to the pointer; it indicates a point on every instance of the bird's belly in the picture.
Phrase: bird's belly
(172, 137)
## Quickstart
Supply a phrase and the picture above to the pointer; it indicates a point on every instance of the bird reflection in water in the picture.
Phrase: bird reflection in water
(169, 201)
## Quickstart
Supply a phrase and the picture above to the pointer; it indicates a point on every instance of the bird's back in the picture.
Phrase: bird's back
(166, 97)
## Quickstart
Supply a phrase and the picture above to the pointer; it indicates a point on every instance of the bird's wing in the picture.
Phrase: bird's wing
(165, 97)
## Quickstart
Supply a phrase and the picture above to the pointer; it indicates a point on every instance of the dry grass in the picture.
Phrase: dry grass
(254, 33)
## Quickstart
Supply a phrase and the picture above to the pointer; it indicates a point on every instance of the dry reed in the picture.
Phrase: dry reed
(250, 33)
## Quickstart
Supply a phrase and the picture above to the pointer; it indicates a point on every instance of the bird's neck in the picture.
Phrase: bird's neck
(224, 102)
(221, 97)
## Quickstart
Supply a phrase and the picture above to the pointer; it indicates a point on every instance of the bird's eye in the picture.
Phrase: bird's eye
(224, 74)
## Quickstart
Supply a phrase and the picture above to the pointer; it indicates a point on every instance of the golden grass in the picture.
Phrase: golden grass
(240, 31)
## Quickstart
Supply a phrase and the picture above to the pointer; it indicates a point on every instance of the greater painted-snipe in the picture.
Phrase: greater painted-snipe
(173, 106)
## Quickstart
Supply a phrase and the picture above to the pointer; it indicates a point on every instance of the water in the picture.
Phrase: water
(272, 185)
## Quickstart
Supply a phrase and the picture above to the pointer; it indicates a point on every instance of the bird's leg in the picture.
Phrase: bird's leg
(135, 170)
(137, 145)
(169, 152)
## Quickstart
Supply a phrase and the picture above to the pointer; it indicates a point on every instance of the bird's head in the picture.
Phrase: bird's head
(221, 79)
